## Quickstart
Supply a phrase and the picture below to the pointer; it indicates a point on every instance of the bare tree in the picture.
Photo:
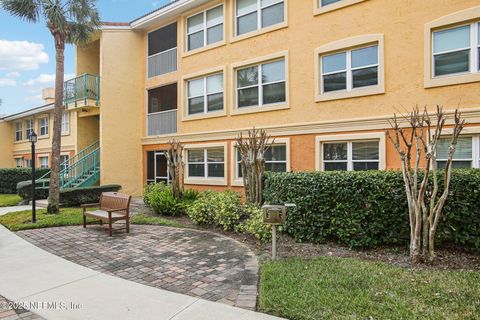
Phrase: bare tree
(252, 152)
(416, 142)
(176, 167)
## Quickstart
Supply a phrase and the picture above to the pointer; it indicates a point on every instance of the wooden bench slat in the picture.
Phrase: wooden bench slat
(111, 201)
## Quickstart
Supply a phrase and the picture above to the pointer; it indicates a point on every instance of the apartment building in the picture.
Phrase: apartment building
(79, 130)
(322, 77)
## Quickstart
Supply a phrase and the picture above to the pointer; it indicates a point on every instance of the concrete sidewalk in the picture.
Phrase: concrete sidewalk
(5, 210)
(55, 288)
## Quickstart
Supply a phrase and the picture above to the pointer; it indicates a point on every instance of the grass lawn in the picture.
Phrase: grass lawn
(341, 288)
(155, 221)
(9, 200)
(16, 221)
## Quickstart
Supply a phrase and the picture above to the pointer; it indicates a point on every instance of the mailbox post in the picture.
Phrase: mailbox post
(275, 215)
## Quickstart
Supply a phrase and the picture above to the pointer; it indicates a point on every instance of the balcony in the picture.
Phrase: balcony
(162, 63)
(82, 91)
(162, 51)
(162, 123)
(162, 110)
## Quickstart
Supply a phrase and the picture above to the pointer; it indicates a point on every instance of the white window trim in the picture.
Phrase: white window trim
(348, 70)
(349, 138)
(475, 159)
(260, 107)
(207, 180)
(66, 114)
(233, 26)
(22, 162)
(205, 95)
(40, 162)
(348, 45)
(40, 127)
(319, 9)
(258, 9)
(204, 29)
(463, 17)
(184, 93)
(238, 182)
(473, 48)
(19, 130)
(32, 122)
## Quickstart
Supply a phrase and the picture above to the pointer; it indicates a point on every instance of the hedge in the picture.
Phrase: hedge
(368, 209)
(9, 178)
(68, 197)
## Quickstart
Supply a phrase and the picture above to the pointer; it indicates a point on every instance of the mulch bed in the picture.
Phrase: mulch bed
(448, 258)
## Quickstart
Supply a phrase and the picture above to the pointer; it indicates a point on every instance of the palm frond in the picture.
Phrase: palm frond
(28, 10)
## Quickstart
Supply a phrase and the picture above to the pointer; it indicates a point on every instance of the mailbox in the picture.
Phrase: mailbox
(274, 214)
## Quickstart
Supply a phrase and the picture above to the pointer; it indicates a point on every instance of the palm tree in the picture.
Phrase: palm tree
(69, 22)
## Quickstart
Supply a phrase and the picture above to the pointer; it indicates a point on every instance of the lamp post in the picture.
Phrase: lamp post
(33, 140)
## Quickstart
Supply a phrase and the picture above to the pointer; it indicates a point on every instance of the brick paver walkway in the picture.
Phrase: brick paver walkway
(11, 311)
(200, 264)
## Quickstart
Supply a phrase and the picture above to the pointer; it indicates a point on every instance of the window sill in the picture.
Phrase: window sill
(207, 181)
(64, 134)
(43, 137)
(204, 116)
(237, 183)
(211, 46)
(258, 32)
(350, 94)
(451, 80)
(332, 7)
(257, 109)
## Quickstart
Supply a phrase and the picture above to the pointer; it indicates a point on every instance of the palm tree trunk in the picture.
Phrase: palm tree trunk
(54, 192)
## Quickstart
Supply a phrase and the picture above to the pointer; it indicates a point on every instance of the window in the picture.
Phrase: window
(253, 15)
(206, 163)
(29, 128)
(28, 163)
(327, 2)
(357, 155)
(349, 70)
(19, 162)
(18, 131)
(205, 28)
(275, 159)
(261, 85)
(65, 122)
(464, 156)
(205, 94)
(64, 162)
(43, 124)
(456, 50)
(43, 162)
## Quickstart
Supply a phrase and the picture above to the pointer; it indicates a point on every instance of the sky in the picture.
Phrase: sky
(27, 53)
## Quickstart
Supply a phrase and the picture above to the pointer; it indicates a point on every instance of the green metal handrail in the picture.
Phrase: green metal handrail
(82, 88)
(81, 159)
(81, 170)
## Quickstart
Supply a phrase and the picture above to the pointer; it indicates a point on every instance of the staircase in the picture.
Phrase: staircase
(82, 170)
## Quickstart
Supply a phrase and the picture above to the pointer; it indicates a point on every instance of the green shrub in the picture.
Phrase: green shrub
(229, 209)
(254, 224)
(68, 197)
(221, 208)
(9, 178)
(161, 199)
(367, 209)
(190, 195)
(202, 210)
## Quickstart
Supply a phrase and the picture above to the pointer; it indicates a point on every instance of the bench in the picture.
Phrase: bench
(113, 207)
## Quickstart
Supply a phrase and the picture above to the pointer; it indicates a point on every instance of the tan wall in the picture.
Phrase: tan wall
(403, 28)
(88, 59)
(44, 144)
(122, 101)
(88, 131)
(123, 80)
(6, 145)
